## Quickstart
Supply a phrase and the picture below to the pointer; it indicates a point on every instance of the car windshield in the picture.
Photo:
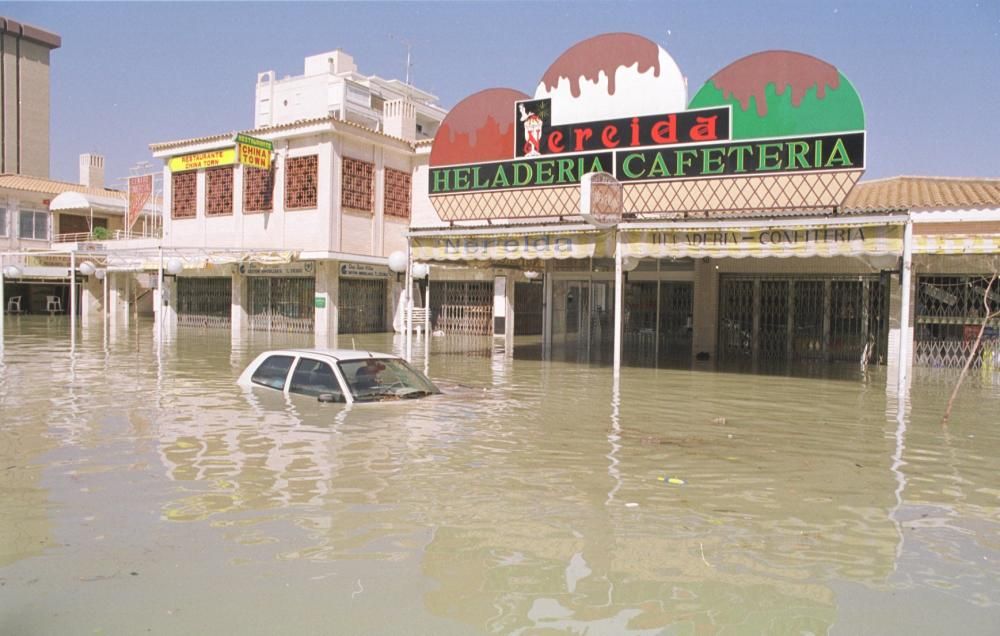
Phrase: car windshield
(377, 379)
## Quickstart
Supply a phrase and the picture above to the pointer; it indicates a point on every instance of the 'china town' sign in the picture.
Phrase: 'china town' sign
(617, 103)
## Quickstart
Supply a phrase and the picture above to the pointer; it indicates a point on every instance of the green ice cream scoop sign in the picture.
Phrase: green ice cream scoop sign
(780, 94)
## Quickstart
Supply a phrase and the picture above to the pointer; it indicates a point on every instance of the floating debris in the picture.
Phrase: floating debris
(677, 481)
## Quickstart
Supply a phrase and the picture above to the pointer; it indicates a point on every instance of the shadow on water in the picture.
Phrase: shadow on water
(141, 489)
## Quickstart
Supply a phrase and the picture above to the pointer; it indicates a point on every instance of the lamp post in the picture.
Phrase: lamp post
(399, 262)
(420, 271)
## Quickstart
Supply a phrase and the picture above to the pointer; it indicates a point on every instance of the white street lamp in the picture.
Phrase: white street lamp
(175, 266)
(397, 261)
(87, 268)
(421, 270)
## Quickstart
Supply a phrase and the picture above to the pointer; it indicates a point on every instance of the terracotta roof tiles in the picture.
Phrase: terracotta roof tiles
(924, 193)
(48, 186)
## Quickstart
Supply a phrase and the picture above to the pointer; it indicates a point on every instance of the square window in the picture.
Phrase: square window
(301, 174)
(258, 189)
(33, 225)
(357, 185)
(397, 193)
(219, 191)
(183, 194)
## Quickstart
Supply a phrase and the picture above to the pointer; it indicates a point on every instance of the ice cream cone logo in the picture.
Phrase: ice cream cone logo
(532, 132)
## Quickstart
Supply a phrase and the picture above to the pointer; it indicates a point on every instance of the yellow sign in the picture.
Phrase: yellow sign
(254, 156)
(210, 159)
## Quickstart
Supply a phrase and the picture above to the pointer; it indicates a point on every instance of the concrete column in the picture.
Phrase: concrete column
(114, 299)
(170, 307)
(119, 291)
(705, 331)
(895, 331)
(239, 319)
(91, 301)
(508, 341)
(326, 310)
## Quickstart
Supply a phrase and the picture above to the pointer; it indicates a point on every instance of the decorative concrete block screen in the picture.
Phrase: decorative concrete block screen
(397, 193)
(183, 192)
(300, 182)
(219, 191)
(258, 190)
(358, 190)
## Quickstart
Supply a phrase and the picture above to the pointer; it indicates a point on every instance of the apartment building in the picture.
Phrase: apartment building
(298, 240)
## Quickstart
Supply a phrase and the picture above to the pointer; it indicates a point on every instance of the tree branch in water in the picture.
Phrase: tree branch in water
(990, 315)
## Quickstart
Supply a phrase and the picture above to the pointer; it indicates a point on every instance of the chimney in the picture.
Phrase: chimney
(399, 119)
(92, 170)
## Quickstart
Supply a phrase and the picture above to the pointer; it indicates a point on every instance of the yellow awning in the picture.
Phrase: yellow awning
(957, 244)
(764, 242)
(512, 246)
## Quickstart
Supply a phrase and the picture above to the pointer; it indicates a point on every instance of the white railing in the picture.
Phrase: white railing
(72, 237)
(116, 235)
(419, 317)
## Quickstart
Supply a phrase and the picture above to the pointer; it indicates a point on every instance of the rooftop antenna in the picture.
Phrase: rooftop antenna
(409, 63)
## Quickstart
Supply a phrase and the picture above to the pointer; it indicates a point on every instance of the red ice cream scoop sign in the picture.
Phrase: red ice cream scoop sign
(536, 136)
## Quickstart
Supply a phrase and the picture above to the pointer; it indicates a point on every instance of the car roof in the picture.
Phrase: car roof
(335, 354)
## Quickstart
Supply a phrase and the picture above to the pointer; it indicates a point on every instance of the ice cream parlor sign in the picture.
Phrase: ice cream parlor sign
(773, 130)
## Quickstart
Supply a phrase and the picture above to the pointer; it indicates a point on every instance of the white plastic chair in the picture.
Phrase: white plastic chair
(53, 304)
(14, 305)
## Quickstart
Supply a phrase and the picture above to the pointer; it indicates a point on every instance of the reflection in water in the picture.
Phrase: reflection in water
(533, 496)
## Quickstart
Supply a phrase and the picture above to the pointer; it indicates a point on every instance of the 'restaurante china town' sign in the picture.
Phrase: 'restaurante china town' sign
(774, 130)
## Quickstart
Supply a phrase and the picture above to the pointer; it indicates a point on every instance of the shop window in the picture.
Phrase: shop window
(397, 193)
(183, 192)
(3, 222)
(258, 190)
(300, 182)
(357, 187)
(33, 225)
(219, 191)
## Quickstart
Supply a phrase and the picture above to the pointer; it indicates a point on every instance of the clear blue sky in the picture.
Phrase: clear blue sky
(130, 74)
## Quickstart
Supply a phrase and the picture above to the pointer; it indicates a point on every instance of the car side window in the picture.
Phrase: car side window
(313, 377)
(272, 372)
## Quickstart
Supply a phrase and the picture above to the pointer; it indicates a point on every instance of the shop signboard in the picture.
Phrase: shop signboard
(140, 189)
(254, 152)
(363, 270)
(764, 242)
(279, 270)
(558, 246)
(785, 126)
(200, 160)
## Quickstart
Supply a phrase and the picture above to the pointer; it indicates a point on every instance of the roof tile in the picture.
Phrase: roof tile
(924, 193)
(47, 186)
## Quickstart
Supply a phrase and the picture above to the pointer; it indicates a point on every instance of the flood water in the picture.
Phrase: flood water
(141, 491)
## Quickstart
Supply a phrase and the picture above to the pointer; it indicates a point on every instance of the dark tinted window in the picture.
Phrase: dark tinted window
(272, 372)
(312, 377)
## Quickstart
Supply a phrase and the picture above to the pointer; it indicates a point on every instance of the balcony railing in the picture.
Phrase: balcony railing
(116, 235)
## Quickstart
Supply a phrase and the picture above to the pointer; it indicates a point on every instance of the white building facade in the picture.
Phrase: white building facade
(301, 246)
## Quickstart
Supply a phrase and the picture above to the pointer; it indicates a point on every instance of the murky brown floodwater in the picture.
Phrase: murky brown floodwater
(147, 493)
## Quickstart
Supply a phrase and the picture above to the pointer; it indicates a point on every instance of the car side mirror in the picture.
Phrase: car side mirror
(330, 397)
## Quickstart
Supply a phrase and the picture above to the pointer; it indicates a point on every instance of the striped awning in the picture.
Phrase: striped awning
(513, 246)
(764, 242)
(957, 244)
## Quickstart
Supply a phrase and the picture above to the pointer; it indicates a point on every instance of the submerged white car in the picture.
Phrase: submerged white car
(337, 375)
